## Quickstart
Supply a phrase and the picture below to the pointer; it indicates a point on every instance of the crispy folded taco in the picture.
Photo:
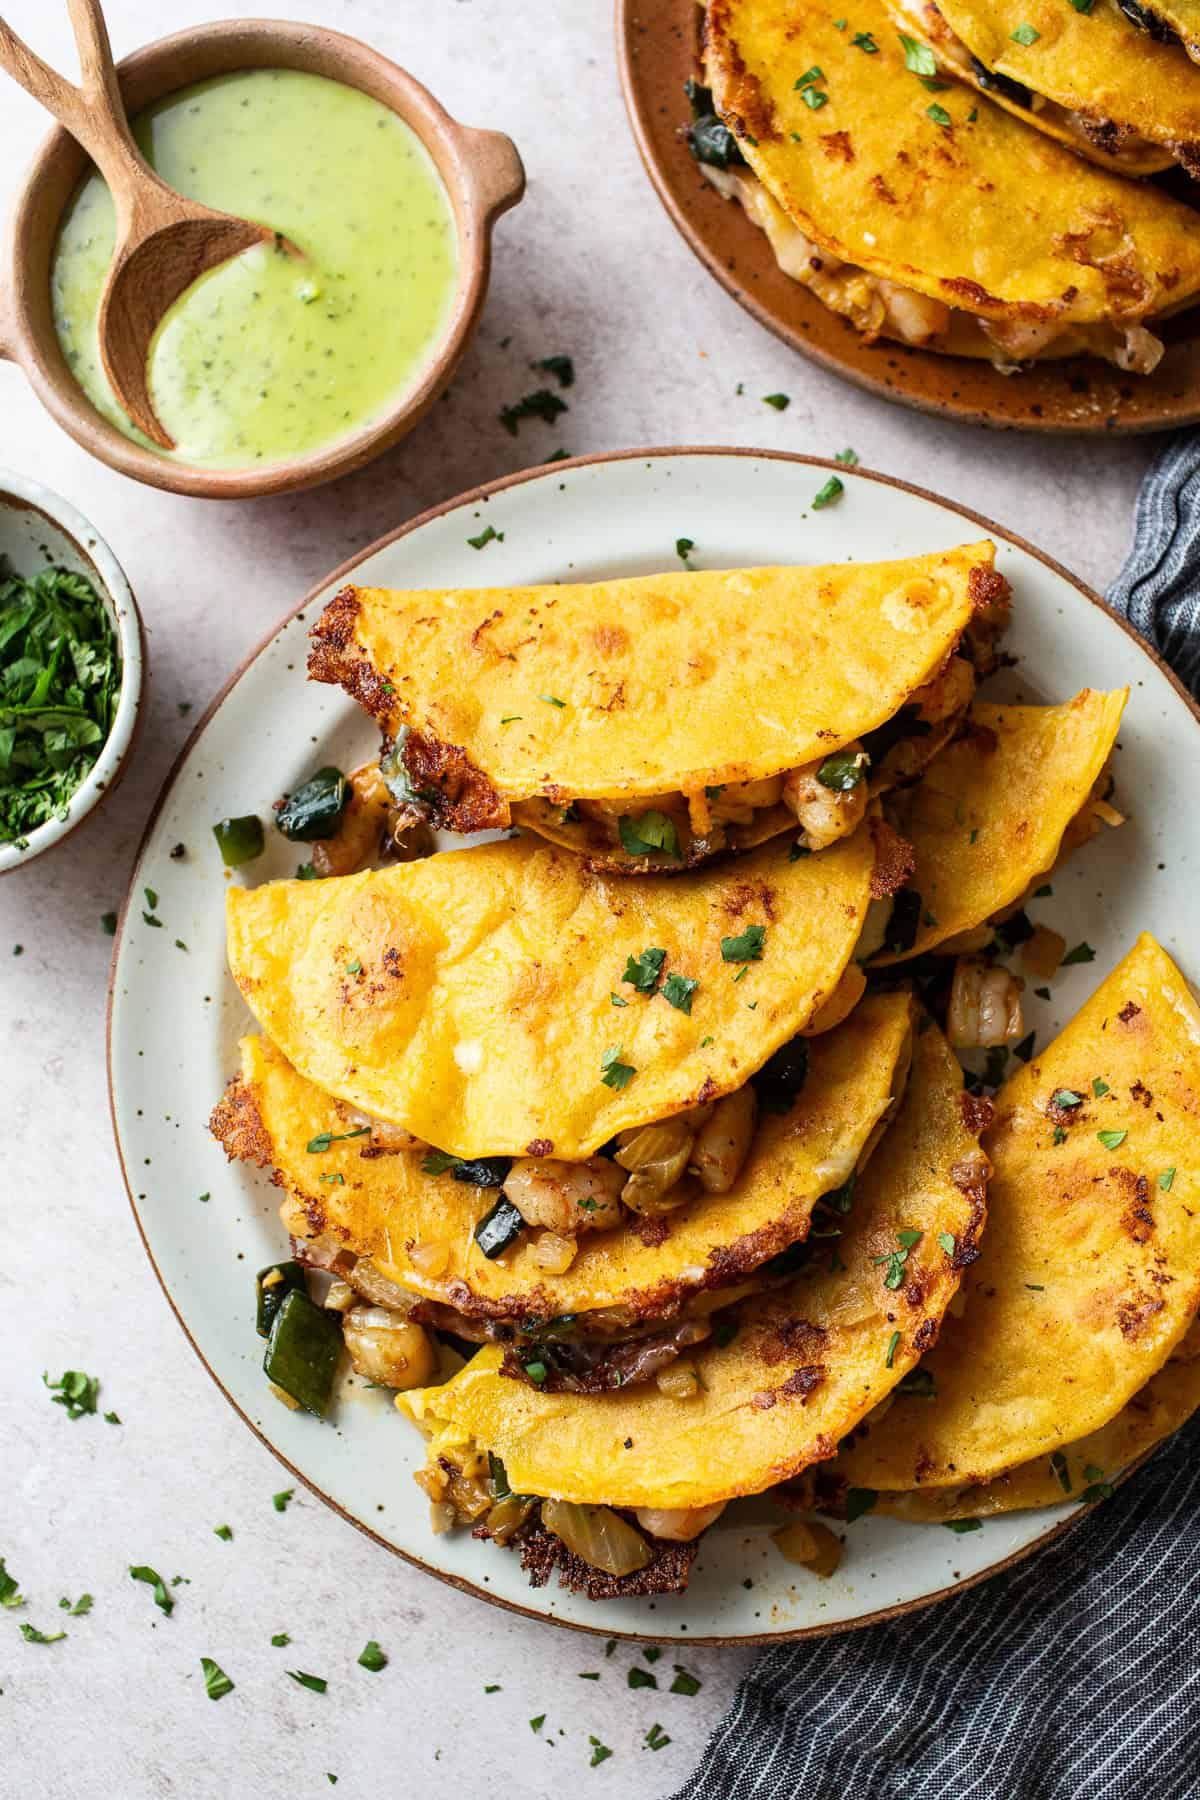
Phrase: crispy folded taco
(503, 1001)
(618, 719)
(934, 218)
(1080, 76)
(796, 1370)
(995, 812)
(1082, 1471)
(1090, 1273)
(596, 1309)
(1167, 21)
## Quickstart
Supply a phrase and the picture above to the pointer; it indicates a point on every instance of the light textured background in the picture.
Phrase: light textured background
(589, 265)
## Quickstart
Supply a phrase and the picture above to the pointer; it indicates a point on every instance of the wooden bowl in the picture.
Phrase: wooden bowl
(35, 526)
(657, 47)
(481, 170)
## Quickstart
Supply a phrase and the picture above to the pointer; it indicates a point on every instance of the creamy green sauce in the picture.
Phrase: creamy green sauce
(269, 357)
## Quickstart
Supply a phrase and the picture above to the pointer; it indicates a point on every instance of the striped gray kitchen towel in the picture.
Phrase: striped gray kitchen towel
(1075, 1675)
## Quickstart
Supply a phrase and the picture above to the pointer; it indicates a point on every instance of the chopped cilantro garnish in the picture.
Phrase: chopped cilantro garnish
(10, 1594)
(1082, 953)
(685, 1683)
(862, 40)
(1098, 1488)
(489, 535)
(318, 1145)
(60, 680)
(706, 1041)
(600, 1752)
(542, 404)
(652, 1654)
(746, 947)
(1058, 1464)
(436, 1162)
(281, 1640)
(1082, 6)
(1112, 1140)
(224, 1532)
(780, 402)
(163, 1600)
(617, 1000)
(280, 1500)
(83, 1605)
(849, 458)
(1066, 1097)
(536, 1371)
(1060, 1136)
(1165, 1181)
(371, 1657)
(917, 57)
(648, 834)
(109, 923)
(334, 1179)
(354, 968)
(642, 971)
(858, 1502)
(842, 772)
(32, 1635)
(1025, 34)
(814, 98)
(1099, 1087)
(1024, 1050)
(1043, 993)
(939, 115)
(553, 700)
(809, 76)
(947, 1242)
(315, 1683)
(511, 718)
(961, 1525)
(589, 1675)
(616, 1074)
(536, 1724)
(640, 1678)
(893, 1342)
(76, 1391)
(825, 496)
(684, 548)
(216, 1682)
(493, 1687)
(677, 991)
(656, 1738)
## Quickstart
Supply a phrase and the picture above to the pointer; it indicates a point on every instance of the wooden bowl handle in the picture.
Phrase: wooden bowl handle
(496, 172)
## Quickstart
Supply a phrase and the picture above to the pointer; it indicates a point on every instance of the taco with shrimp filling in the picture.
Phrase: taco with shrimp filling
(616, 719)
(613, 1490)
(1089, 1277)
(1129, 105)
(594, 1300)
(940, 221)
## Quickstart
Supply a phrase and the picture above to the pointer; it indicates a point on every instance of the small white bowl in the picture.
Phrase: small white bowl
(39, 528)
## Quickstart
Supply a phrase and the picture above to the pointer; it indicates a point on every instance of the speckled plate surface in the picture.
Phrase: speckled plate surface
(656, 47)
(175, 1015)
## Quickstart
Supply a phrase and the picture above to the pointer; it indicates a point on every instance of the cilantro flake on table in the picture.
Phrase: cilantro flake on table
(600, 1752)
(825, 496)
(489, 535)
(216, 1682)
(780, 402)
(372, 1657)
(656, 1738)
(1082, 953)
(685, 1682)
(60, 681)
(561, 367)
(641, 1678)
(32, 1635)
(541, 404)
(858, 1502)
(10, 1594)
(316, 1684)
(223, 1531)
(152, 1578)
(280, 1500)
(281, 1640)
(83, 1605)
(75, 1390)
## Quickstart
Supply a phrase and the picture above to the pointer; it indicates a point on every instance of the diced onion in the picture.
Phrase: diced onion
(553, 1253)
(340, 1297)
(679, 1381)
(598, 1536)
(431, 1259)
(813, 1546)
(678, 1525)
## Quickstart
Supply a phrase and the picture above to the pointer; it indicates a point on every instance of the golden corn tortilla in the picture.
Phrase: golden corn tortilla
(1180, 16)
(385, 1206)
(631, 689)
(1090, 1272)
(1090, 64)
(469, 996)
(943, 193)
(806, 1363)
(987, 818)
(1075, 1472)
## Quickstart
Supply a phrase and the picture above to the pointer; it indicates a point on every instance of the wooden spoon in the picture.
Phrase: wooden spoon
(164, 241)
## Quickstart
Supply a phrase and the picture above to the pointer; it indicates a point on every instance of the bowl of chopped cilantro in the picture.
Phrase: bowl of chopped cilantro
(70, 669)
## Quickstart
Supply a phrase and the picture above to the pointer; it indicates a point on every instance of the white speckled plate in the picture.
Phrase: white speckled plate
(175, 1017)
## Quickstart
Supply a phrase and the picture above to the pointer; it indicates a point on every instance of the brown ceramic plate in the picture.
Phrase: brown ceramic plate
(656, 47)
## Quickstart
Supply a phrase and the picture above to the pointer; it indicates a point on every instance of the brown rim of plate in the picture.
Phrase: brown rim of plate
(656, 52)
(473, 497)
